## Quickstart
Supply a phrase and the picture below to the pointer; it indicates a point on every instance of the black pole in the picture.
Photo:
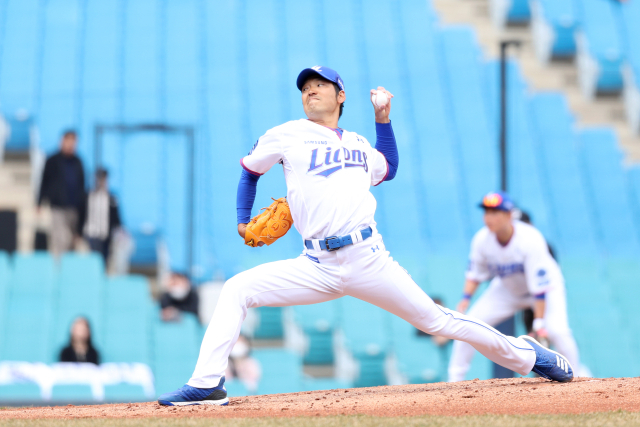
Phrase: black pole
(508, 326)
(503, 111)
(503, 115)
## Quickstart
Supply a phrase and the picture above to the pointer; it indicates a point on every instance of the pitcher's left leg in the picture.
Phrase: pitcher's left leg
(391, 288)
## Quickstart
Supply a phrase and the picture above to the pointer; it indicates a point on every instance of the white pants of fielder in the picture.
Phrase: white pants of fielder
(498, 304)
(365, 271)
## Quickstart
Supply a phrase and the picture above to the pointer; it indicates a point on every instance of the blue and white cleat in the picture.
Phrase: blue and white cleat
(187, 395)
(549, 364)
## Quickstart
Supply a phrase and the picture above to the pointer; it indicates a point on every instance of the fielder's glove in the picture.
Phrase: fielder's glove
(270, 225)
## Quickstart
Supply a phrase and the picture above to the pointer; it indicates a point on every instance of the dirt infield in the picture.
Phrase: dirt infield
(510, 396)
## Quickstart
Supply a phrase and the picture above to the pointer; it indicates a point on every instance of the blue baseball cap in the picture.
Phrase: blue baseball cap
(318, 70)
(498, 200)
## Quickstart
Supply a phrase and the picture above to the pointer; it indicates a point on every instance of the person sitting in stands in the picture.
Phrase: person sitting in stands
(80, 348)
(180, 296)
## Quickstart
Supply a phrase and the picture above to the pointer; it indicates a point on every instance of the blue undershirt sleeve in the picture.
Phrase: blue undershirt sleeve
(246, 196)
(386, 144)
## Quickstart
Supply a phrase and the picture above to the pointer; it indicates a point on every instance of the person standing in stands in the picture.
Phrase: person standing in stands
(99, 216)
(63, 186)
(80, 347)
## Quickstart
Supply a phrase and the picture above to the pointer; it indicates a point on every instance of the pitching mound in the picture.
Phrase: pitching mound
(511, 396)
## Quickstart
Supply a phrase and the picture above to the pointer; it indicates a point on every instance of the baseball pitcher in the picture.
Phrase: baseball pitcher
(329, 172)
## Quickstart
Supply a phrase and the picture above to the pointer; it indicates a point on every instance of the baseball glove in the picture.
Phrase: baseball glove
(270, 225)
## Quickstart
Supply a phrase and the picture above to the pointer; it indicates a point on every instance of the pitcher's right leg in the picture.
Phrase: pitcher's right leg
(297, 281)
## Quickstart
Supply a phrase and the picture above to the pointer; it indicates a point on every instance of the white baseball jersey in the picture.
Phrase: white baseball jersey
(328, 178)
(524, 265)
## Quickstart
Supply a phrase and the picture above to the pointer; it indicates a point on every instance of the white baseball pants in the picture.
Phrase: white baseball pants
(498, 304)
(365, 271)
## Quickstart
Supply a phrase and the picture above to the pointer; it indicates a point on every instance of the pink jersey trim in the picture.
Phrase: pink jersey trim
(249, 170)
(386, 174)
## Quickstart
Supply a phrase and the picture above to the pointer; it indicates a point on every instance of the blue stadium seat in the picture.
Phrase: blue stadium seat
(176, 346)
(368, 337)
(30, 306)
(600, 47)
(22, 127)
(318, 322)
(127, 322)
(281, 371)
(554, 24)
(602, 160)
(418, 357)
(573, 235)
(19, 61)
(270, 326)
(81, 287)
(20, 393)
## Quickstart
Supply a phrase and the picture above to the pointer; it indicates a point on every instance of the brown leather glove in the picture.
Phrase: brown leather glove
(267, 227)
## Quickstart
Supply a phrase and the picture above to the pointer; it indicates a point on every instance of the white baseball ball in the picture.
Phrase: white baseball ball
(380, 98)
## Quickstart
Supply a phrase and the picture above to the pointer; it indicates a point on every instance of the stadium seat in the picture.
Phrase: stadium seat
(24, 393)
(554, 24)
(176, 346)
(22, 128)
(602, 160)
(30, 306)
(81, 287)
(270, 326)
(20, 62)
(126, 327)
(318, 322)
(505, 12)
(281, 371)
(419, 359)
(600, 48)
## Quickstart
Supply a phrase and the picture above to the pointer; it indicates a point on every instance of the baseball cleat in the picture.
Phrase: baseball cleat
(187, 395)
(549, 364)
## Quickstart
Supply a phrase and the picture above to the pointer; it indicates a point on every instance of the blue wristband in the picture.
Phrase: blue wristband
(466, 296)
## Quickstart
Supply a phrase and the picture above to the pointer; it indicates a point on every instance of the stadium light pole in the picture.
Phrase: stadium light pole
(504, 45)
(508, 326)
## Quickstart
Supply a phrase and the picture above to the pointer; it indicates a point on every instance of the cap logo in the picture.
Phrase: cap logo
(492, 200)
(317, 68)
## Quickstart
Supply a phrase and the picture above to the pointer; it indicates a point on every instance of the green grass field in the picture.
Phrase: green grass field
(617, 418)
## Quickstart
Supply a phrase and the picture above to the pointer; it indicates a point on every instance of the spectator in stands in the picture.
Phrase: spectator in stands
(99, 216)
(80, 348)
(63, 186)
(242, 366)
(180, 297)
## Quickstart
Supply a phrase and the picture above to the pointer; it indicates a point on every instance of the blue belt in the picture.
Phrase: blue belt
(334, 243)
